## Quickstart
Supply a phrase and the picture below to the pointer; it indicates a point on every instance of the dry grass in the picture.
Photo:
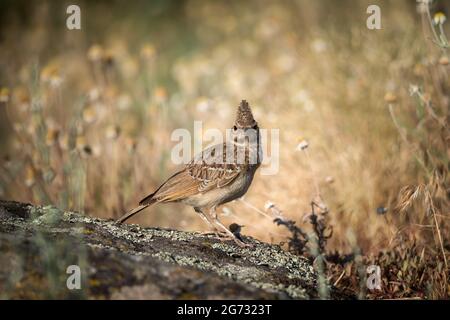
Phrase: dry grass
(87, 118)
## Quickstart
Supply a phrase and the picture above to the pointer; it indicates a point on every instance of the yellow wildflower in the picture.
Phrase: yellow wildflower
(439, 18)
(443, 60)
(95, 53)
(4, 95)
(89, 113)
(160, 94)
(148, 51)
(112, 132)
(52, 136)
(390, 97)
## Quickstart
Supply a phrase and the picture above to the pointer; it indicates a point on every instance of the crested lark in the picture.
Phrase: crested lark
(217, 175)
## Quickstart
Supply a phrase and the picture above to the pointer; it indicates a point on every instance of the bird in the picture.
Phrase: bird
(217, 175)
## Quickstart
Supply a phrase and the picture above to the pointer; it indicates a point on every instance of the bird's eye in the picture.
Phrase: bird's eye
(234, 128)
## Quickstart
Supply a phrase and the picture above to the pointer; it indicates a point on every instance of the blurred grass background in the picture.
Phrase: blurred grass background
(86, 116)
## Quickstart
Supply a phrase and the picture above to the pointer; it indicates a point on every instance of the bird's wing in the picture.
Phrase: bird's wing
(207, 171)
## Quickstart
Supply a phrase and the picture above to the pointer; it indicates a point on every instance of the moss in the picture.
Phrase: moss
(263, 266)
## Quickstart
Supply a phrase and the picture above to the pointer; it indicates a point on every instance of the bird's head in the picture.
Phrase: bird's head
(245, 129)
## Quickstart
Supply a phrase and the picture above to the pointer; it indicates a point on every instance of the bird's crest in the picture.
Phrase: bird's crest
(244, 117)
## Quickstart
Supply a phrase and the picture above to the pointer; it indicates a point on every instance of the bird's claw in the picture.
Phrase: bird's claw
(222, 236)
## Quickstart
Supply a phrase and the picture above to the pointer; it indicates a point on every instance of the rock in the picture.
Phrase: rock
(37, 244)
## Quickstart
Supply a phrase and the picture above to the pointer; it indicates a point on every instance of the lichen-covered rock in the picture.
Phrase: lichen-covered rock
(37, 244)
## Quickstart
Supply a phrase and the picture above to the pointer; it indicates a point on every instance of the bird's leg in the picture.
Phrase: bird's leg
(230, 234)
(208, 222)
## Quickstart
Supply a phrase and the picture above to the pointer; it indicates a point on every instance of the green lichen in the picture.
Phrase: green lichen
(264, 266)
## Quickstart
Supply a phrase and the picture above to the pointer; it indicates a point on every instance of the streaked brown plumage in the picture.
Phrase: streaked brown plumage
(217, 175)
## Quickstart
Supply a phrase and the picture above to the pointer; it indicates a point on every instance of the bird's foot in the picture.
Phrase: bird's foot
(224, 236)
(216, 233)
(241, 243)
(219, 235)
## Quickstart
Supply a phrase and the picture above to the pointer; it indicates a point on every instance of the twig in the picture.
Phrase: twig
(339, 278)
(256, 209)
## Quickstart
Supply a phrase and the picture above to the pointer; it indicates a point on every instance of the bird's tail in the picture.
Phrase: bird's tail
(131, 213)
(144, 203)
